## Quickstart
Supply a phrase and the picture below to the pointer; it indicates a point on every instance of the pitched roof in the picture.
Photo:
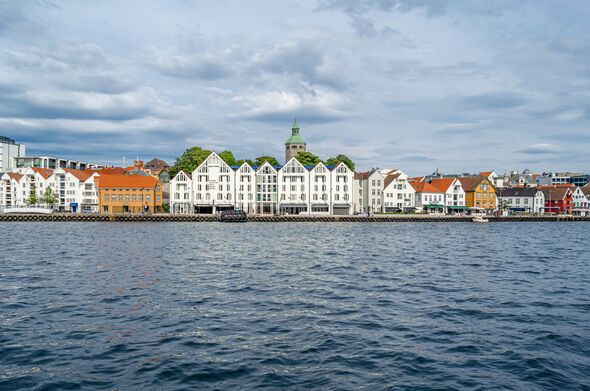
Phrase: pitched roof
(106, 171)
(15, 176)
(81, 175)
(586, 189)
(361, 175)
(485, 173)
(424, 187)
(516, 191)
(44, 172)
(555, 193)
(442, 184)
(157, 164)
(390, 178)
(469, 183)
(125, 182)
(417, 179)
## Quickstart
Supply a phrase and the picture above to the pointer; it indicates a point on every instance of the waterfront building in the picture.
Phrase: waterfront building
(295, 144)
(561, 178)
(12, 191)
(290, 189)
(360, 190)
(9, 149)
(75, 190)
(581, 203)
(454, 194)
(23, 162)
(429, 198)
(129, 194)
(398, 194)
(558, 199)
(480, 193)
(521, 199)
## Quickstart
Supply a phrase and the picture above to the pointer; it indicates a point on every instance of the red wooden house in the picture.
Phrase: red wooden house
(558, 199)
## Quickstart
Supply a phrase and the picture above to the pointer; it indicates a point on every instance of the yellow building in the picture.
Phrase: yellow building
(479, 193)
(129, 194)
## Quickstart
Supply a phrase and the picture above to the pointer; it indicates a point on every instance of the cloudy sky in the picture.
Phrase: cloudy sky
(410, 84)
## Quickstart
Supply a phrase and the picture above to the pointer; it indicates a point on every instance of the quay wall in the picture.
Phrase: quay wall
(269, 218)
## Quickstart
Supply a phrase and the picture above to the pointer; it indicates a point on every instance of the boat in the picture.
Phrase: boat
(233, 216)
(480, 219)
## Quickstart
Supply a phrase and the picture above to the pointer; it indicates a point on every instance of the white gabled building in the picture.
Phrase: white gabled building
(360, 189)
(398, 194)
(454, 194)
(266, 189)
(429, 198)
(320, 179)
(521, 199)
(213, 185)
(581, 204)
(181, 193)
(12, 191)
(293, 181)
(341, 190)
(246, 188)
(75, 190)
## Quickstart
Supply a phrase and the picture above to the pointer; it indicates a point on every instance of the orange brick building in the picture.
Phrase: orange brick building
(129, 194)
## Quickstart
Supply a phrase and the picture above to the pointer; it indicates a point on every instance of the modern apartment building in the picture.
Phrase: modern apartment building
(9, 150)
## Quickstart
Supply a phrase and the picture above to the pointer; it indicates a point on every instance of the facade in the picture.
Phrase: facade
(480, 194)
(75, 191)
(558, 200)
(12, 190)
(129, 194)
(23, 162)
(9, 150)
(562, 178)
(295, 144)
(360, 190)
(289, 189)
(398, 194)
(581, 203)
(454, 195)
(429, 198)
(521, 200)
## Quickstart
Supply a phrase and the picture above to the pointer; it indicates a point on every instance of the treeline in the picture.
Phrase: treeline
(193, 157)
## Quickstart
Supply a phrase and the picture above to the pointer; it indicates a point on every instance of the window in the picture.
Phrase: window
(120, 197)
(147, 198)
(127, 197)
(106, 197)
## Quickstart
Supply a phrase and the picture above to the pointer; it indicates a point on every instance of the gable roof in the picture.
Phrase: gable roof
(44, 172)
(469, 183)
(424, 187)
(586, 189)
(126, 182)
(390, 178)
(361, 175)
(417, 179)
(15, 176)
(80, 175)
(517, 192)
(442, 184)
(156, 164)
(106, 171)
(185, 173)
(555, 193)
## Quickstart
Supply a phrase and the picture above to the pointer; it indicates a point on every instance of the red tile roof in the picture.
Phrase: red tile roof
(443, 184)
(126, 182)
(361, 175)
(81, 175)
(424, 187)
(471, 182)
(555, 193)
(390, 178)
(15, 176)
(44, 172)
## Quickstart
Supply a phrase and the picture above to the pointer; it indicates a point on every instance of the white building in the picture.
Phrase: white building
(429, 198)
(290, 189)
(22, 162)
(75, 190)
(581, 203)
(9, 150)
(453, 194)
(12, 190)
(398, 194)
(521, 199)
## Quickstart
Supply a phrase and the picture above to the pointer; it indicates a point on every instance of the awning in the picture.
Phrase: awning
(456, 207)
(434, 206)
(293, 205)
(518, 209)
(341, 205)
(322, 205)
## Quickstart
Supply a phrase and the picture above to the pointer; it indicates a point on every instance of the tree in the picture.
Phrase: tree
(242, 161)
(48, 198)
(228, 157)
(341, 159)
(307, 158)
(503, 205)
(32, 200)
(190, 159)
(260, 160)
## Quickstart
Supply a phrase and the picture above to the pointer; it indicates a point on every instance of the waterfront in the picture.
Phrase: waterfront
(302, 305)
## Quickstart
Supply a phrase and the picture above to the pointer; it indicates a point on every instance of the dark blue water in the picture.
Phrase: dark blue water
(300, 306)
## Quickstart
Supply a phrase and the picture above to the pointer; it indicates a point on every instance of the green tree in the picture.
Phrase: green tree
(48, 198)
(242, 161)
(189, 160)
(341, 159)
(32, 200)
(228, 157)
(307, 158)
(261, 159)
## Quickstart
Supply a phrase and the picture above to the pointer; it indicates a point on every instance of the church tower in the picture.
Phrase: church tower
(294, 144)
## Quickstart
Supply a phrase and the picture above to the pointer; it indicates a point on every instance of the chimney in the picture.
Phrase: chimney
(138, 164)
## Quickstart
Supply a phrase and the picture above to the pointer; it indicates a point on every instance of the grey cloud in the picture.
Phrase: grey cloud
(493, 101)
(431, 7)
(540, 149)
(207, 67)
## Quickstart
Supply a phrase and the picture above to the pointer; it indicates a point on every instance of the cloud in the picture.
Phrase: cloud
(540, 149)
(493, 101)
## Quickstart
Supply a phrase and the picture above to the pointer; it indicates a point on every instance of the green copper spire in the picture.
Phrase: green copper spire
(295, 137)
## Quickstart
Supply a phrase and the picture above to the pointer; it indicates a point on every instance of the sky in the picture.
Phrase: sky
(416, 85)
